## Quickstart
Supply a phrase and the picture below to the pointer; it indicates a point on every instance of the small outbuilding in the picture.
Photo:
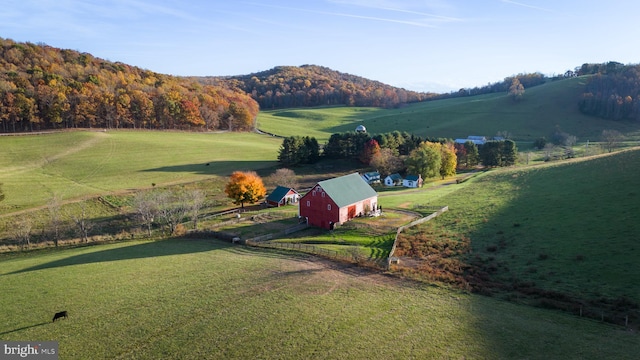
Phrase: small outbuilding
(361, 129)
(282, 196)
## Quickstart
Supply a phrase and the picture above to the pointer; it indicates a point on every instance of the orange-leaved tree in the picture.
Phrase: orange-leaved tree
(245, 187)
(371, 149)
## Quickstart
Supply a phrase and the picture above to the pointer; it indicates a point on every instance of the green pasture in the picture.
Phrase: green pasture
(195, 299)
(544, 107)
(569, 227)
(358, 239)
(319, 122)
(34, 168)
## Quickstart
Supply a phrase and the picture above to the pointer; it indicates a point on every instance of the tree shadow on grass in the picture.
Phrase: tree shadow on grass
(140, 251)
(220, 168)
(23, 328)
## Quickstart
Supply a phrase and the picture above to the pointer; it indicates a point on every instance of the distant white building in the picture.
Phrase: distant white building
(393, 180)
(371, 177)
(361, 129)
(412, 181)
(478, 140)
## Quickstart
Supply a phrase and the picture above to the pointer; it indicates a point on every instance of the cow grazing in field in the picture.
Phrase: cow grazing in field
(60, 315)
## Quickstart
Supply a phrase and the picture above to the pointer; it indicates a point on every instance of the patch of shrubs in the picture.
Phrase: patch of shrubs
(441, 257)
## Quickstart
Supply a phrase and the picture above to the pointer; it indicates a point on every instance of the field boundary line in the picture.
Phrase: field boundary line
(437, 213)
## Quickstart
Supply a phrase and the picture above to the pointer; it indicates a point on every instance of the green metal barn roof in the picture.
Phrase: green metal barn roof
(348, 189)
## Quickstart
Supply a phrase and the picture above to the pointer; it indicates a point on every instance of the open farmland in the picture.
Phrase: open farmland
(544, 107)
(196, 299)
(558, 235)
(566, 229)
(77, 164)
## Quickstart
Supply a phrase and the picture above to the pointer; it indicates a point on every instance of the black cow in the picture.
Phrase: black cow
(60, 315)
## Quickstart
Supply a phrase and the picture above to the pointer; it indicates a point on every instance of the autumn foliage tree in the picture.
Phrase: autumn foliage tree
(371, 149)
(42, 87)
(449, 161)
(516, 90)
(312, 85)
(386, 162)
(612, 92)
(245, 187)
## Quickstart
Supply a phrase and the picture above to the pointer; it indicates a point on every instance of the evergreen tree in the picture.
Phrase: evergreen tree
(473, 157)
(490, 153)
(311, 150)
(509, 153)
(290, 150)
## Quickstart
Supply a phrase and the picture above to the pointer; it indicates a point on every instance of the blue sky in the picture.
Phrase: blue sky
(423, 45)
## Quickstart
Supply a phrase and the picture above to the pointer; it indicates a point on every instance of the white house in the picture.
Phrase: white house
(412, 181)
(393, 180)
(371, 177)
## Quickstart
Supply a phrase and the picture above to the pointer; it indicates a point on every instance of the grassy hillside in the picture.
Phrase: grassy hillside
(75, 164)
(569, 229)
(194, 299)
(543, 108)
(318, 122)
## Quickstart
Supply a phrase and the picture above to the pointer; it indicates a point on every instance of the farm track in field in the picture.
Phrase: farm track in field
(53, 158)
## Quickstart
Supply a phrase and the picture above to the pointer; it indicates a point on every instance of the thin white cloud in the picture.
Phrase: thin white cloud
(425, 23)
(149, 7)
(392, 7)
(527, 6)
(404, 22)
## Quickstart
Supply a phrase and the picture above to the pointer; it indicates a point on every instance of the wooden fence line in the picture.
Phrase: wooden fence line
(391, 259)
(271, 236)
(306, 248)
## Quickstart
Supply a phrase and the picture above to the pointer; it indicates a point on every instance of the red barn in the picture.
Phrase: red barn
(338, 200)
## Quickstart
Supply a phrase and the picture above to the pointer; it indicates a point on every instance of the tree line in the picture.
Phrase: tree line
(612, 92)
(399, 152)
(312, 85)
(42, 87)
(526, 80)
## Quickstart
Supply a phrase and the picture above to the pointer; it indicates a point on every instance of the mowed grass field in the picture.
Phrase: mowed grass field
(543, 108)
(195, 299)
(34, 168)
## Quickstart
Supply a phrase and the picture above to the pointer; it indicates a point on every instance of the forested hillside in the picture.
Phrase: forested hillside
(42, 87)
(613, 92)
(312, 85)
